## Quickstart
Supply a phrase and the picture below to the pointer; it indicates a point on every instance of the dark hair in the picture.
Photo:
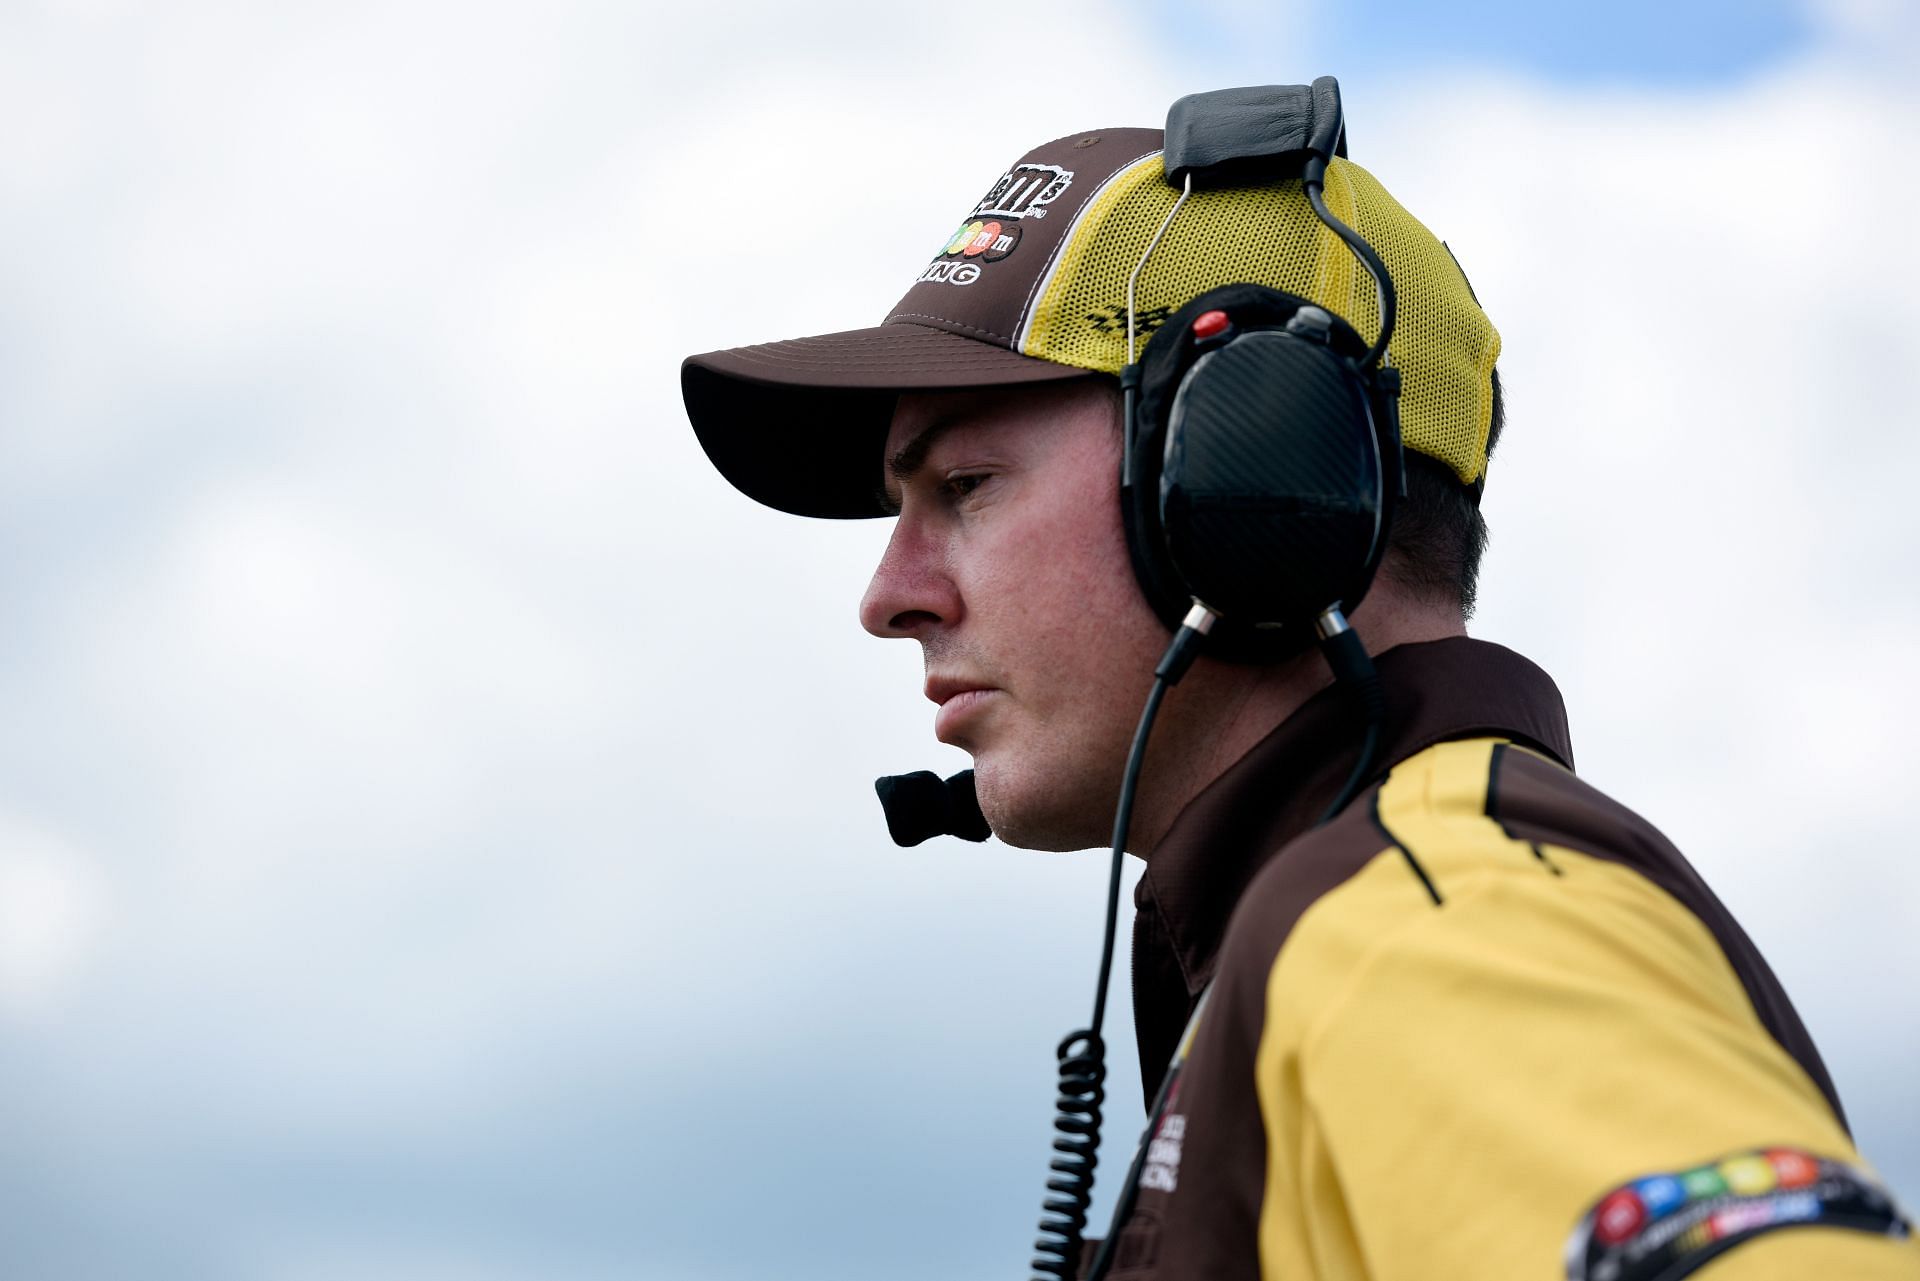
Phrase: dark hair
(1438, 534)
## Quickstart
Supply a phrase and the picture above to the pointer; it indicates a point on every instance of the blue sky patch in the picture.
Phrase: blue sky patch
(1627, 42)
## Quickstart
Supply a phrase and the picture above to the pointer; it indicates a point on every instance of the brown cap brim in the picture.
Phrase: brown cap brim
(799, 425)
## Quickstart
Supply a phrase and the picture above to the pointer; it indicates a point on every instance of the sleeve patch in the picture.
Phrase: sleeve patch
(1660, 1227)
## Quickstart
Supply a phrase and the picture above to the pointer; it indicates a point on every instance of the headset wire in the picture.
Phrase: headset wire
(1082, 1053)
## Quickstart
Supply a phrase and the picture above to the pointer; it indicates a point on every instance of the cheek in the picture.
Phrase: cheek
(1085, 539)
(1063, 582)
(1052, 541)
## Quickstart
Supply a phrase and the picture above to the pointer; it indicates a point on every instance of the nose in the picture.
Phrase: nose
(912, 592)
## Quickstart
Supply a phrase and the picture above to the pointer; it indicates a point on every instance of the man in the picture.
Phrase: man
(1478, 1020)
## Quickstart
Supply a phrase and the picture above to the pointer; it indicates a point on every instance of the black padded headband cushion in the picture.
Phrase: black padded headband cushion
(1235, 137)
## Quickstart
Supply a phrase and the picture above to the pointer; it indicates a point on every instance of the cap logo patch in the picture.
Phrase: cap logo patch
(1024, 191)
(1661, 1227)
(987, 241)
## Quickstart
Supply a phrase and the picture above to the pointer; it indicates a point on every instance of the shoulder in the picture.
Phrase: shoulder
(1446, 817)
(1454, 812)
(1482, 875)
(1477, 855)
(1496, 1001)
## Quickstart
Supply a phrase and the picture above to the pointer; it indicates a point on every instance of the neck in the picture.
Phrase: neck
(1221, 710)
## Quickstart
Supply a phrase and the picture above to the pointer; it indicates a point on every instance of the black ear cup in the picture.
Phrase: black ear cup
(1261, 470)
(1270, 485)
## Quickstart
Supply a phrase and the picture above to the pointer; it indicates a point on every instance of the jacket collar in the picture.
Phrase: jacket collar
(1435, 691)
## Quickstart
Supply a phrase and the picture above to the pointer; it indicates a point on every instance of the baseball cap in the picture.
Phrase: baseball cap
(1030, 286)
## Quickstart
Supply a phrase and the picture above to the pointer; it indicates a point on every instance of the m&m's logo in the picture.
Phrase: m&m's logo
(984, 239)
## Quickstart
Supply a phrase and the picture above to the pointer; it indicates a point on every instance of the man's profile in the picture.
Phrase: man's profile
(1413, 1002)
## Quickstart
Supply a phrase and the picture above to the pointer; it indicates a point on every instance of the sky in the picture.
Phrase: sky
(436, 829)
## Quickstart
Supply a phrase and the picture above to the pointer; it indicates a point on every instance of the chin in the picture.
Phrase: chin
(1041, 809)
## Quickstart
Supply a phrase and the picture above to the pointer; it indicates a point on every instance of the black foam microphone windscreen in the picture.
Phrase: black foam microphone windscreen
(922, 805)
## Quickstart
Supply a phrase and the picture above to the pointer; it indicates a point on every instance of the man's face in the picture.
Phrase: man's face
(1009, 566)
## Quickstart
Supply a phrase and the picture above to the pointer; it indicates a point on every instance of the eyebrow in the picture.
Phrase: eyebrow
(907, 461)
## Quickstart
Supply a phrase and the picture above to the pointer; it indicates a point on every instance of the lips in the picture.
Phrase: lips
(959, 701)
(942, 688)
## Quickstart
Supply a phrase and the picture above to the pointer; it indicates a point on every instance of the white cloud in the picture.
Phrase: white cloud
(53, 906)
(460, 759)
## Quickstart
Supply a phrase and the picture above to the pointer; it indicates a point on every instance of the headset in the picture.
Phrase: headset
(1261, 466)
(1260, 470)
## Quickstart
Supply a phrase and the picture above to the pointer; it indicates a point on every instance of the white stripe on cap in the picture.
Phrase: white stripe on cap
(1024, 329)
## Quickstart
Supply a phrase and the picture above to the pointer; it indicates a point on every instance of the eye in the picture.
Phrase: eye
(962, 484)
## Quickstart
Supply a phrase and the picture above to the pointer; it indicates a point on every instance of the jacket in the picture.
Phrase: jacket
(1484, 1023)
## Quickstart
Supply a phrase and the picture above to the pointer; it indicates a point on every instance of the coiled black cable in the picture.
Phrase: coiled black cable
(1076, 1142)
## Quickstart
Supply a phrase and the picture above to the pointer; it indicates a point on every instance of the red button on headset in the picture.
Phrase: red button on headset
(1209, 324)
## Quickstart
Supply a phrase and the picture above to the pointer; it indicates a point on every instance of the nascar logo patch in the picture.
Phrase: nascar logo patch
(1662, 1226)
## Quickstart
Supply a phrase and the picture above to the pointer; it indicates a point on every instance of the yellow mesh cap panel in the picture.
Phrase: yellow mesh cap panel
(1443, 342)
